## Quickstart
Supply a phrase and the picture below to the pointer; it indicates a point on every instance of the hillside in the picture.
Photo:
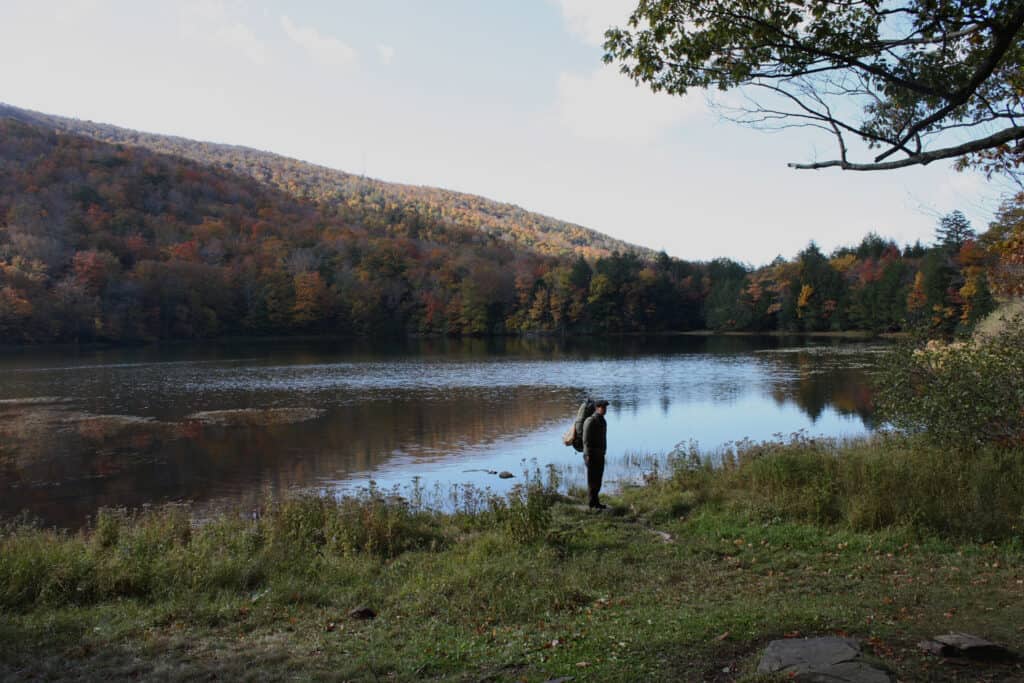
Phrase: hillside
(375, 204)
(115, 242)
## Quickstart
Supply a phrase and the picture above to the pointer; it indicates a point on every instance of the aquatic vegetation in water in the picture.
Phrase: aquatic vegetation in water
(33, 401)
(256, 416)
(100, 427)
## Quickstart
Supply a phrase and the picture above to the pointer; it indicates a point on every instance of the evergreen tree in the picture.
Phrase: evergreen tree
(821, 294)
(953, 231)
(722, 310)
(916, 250)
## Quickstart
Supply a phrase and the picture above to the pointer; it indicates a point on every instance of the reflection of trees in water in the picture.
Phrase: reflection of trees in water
(63, 467)
(569, 348)
(822, 382)
(814, 375)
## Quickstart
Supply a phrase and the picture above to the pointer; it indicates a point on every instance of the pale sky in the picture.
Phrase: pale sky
(508, 100)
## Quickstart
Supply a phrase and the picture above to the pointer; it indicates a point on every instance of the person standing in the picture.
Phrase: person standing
(595, 445)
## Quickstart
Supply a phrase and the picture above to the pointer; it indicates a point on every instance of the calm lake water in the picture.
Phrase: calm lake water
(226, 425)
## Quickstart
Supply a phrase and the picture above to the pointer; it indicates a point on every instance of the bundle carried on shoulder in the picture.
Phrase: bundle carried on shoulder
(574, 435)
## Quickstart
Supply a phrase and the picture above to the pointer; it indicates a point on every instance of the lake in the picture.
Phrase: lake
(225, 425)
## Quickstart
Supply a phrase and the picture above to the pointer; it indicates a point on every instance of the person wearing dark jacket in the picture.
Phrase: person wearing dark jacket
(595, 445)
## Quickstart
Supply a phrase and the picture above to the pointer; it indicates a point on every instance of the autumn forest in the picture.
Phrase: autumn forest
(111, 236)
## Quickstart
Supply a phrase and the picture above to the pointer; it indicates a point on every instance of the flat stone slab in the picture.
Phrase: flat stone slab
(821, 660)
(966, 645)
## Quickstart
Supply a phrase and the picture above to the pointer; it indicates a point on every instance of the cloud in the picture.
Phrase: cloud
(241, 39)
(589, 19)
(206, 10)
(323, 49)
(210, 21)
(75, 11)
(386, 53)
(605, 105)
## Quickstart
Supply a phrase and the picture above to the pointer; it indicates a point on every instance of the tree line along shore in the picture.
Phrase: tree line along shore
(103, 242)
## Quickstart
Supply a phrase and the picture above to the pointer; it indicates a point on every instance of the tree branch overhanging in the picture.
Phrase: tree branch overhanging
(900, 76)
(1003, 39)
(923, 158)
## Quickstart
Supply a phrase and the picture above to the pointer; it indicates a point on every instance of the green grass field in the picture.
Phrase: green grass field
(684, 579)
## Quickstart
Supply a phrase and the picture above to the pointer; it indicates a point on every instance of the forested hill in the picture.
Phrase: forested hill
(102, 241)
(117, 242)
(379, 206)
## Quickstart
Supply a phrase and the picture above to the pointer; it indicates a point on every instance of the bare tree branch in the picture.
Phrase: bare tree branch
(1004, 39)
(923, 158)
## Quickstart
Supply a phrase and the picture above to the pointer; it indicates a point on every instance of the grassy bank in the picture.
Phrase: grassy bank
(685, 578)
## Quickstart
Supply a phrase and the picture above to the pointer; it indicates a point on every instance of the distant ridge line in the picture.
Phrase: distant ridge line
(538, 232)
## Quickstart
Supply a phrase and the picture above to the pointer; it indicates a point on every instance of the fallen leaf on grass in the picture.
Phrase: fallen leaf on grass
(880, 647)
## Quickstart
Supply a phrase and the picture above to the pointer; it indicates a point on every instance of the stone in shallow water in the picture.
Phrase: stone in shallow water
(821, 660)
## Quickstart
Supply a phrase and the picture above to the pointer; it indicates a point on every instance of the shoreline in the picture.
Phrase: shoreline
(844, 334)
(215, 341)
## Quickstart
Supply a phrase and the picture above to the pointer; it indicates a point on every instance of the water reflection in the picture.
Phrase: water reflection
(126, 427)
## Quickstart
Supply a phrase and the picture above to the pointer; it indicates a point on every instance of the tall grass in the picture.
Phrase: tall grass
(160, 553)
(866, 484)
(302, 543)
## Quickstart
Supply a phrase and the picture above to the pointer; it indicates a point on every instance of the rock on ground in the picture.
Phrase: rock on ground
(821, 660)
(966, 645)
(362, 612)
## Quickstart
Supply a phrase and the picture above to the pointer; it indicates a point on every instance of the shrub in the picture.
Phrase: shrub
(379, 525)
(226, 553)
(139, 554)
(528, 516)
(959, 395)
(108, 527)
(41, 566)
(370, 521)
(296, 525)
